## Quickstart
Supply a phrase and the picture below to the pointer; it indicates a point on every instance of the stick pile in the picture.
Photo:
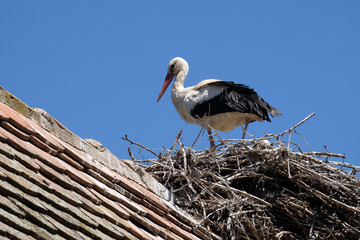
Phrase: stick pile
(263, 188)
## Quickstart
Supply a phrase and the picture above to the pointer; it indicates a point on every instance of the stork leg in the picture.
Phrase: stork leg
(212, 144)
(245, 128)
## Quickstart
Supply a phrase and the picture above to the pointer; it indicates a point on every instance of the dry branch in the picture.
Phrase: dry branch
(249, 189)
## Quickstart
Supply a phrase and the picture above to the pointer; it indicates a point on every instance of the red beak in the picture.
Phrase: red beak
(168, 79)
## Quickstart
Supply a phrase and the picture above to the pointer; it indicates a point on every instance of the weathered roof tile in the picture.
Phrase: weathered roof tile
(89, 205)
(78, 176)
(15, 131)
(163, 222)
(48, 159)
(85, 192)
(165, 233)
(153, 208)
(3, 115)
(110, 204)
(70, 161)
(10, 190)
(17, 120)
(15, 142)
(53, 175)
(35, 216)
(18, 168)
(77, 155)
(99, 177)
(62, 230)
(25, 160)
(16, 222)
(65, 194)
(111, 229)
(43, 146)
(7, 230)
(9, 206)
(139, 232)
(127, 194)
(45, 136)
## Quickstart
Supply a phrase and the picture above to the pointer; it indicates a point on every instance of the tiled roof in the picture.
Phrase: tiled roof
(54, 185)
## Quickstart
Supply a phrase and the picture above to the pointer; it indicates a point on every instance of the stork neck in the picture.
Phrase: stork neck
(179, 81)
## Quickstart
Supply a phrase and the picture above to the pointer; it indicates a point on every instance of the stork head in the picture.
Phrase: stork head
(175, 66)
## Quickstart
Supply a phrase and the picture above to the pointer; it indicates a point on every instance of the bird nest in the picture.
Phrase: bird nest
(265, 188)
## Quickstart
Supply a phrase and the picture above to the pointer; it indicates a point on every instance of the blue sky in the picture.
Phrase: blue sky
(98, 66)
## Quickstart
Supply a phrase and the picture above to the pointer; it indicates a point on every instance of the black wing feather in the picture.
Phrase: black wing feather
(235, 98)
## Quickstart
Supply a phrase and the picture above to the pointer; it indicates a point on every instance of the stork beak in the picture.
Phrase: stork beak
(168, 79)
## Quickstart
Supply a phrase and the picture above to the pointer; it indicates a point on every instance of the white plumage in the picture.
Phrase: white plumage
(222, 105)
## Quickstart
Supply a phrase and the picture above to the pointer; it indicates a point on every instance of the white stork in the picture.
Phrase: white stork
(220, 104)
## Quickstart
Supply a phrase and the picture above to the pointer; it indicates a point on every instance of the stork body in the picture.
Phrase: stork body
(220, 104)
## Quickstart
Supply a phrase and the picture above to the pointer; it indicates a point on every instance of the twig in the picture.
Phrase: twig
(292, 128)
(242, 193)
(327, 154)
(176, 140)
(137, 144)
(131, 155)
(201, 130)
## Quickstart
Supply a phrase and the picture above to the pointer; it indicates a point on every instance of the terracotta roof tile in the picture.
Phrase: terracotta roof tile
(45, 136)
(43, 146)
(48, 159)
(111, 229)
(153, 226)
(70, 161)
(113, 206)
(153, 208)
(3, 137)
(15, 131)
(65, 194)
(15, 142)
(62, 230)
(127, 194)
(130, 186)
(139, 232)
(77, 155)
(89, 205)
(8, 205)
(78, 176)
(7, 230)
(3, 115)
(25, 226)
(2, 174)
(35, 216)
(17, 120)
(163, 222)
(106, 172)
(16, 193)
(85, 192)
(50, 189)
(99, 178)
(18, 168)
(178, 223)
(53, 175)
(25, 160)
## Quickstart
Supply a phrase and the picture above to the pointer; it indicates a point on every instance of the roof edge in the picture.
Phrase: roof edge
(100, 154)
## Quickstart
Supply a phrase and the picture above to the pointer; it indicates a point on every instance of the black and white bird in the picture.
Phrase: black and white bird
(222, 105)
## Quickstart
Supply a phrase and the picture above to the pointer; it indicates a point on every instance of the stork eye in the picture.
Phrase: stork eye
(172, 67)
